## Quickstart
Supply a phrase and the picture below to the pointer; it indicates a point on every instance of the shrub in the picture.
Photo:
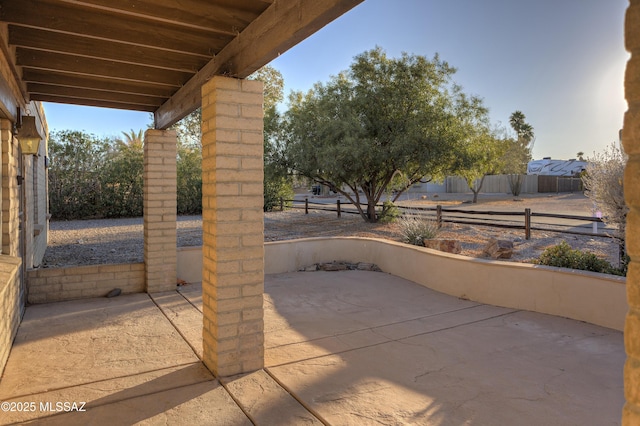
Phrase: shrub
(276, 187)
(189, 179)
(414, 229)
(563, 256)
(390, 212)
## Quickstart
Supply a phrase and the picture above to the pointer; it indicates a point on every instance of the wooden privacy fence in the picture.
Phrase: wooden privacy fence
(559, 184)
(497, 219)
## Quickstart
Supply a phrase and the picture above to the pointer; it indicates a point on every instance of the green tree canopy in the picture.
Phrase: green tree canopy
(77, 161)
(381, 117)
(122, 176)
(481, 155)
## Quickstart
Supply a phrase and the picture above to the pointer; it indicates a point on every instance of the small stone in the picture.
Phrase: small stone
(115, 292)
(112, 250)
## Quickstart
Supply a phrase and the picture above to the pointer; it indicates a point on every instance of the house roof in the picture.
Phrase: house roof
(147, 55)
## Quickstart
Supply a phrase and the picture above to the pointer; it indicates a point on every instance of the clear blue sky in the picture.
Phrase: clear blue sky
(561, 62)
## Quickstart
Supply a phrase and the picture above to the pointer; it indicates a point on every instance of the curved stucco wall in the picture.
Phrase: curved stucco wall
(595, 298)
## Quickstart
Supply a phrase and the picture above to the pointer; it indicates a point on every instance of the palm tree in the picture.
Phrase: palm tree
(132, 139)
(523, 130)
(520, 151)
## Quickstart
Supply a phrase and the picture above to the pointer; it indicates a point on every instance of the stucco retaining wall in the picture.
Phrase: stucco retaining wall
(586, 296)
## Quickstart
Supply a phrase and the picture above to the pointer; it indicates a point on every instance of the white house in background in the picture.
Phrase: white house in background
(549, 167)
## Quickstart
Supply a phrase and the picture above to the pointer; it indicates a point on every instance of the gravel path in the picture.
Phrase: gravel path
(121, 240)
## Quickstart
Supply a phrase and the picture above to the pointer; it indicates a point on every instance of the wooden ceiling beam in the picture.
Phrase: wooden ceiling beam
(97, 48)
(8, 62)
(39, 59)
(89, 82)
(281, 26)
(92, 102)
(126, 29)
(101, 95)
(227, 17)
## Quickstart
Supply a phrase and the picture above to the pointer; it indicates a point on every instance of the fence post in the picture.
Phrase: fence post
(306, 206)
(338, 206)
(439, 215)
(281, 204)
(527, 224)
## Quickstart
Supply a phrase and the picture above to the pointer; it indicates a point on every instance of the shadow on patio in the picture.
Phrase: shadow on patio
(351, 347)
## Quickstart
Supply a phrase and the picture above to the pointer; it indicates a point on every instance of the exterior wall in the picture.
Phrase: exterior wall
(36, 214)
(10, 304)
(10, 191)
(58, 284)
(233, 225)
(631, 143)
(160, 210)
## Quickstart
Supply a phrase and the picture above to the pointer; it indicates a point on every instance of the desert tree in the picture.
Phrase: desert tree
(603, 182)
(482, 155)
(380, 118)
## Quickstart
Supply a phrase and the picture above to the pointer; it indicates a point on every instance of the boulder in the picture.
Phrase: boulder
(447, 246)
(498, 249)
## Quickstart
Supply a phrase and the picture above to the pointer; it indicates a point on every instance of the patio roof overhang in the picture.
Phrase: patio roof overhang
(144, 55)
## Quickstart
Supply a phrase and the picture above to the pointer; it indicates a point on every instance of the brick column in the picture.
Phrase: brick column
(233, 225)
(631, 141)
(159, 203)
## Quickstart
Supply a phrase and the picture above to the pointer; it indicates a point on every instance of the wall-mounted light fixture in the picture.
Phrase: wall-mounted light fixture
(28, 135)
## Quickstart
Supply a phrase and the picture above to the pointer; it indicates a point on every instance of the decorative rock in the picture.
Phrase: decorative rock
(333, 266)
(498, 249)
(365, 266)
(447, 246)
(115, 292)
(341, 266)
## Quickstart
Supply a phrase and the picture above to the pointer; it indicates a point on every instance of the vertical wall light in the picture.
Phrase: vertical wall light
(28, 135)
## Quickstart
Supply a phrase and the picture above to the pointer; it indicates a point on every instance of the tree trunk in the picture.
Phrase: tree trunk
(477, 190)
(371, 211)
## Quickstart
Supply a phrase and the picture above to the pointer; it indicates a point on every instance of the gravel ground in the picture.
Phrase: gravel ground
(121, 240)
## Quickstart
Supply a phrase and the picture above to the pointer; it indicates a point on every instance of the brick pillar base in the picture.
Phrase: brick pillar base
(160, 238)
(233, 228)
(631, 141)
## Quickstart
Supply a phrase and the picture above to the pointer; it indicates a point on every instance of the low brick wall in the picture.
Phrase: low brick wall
(10, 308)
(58, 284)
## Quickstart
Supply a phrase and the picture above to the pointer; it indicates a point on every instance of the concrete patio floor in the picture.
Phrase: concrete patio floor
(342, 348)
